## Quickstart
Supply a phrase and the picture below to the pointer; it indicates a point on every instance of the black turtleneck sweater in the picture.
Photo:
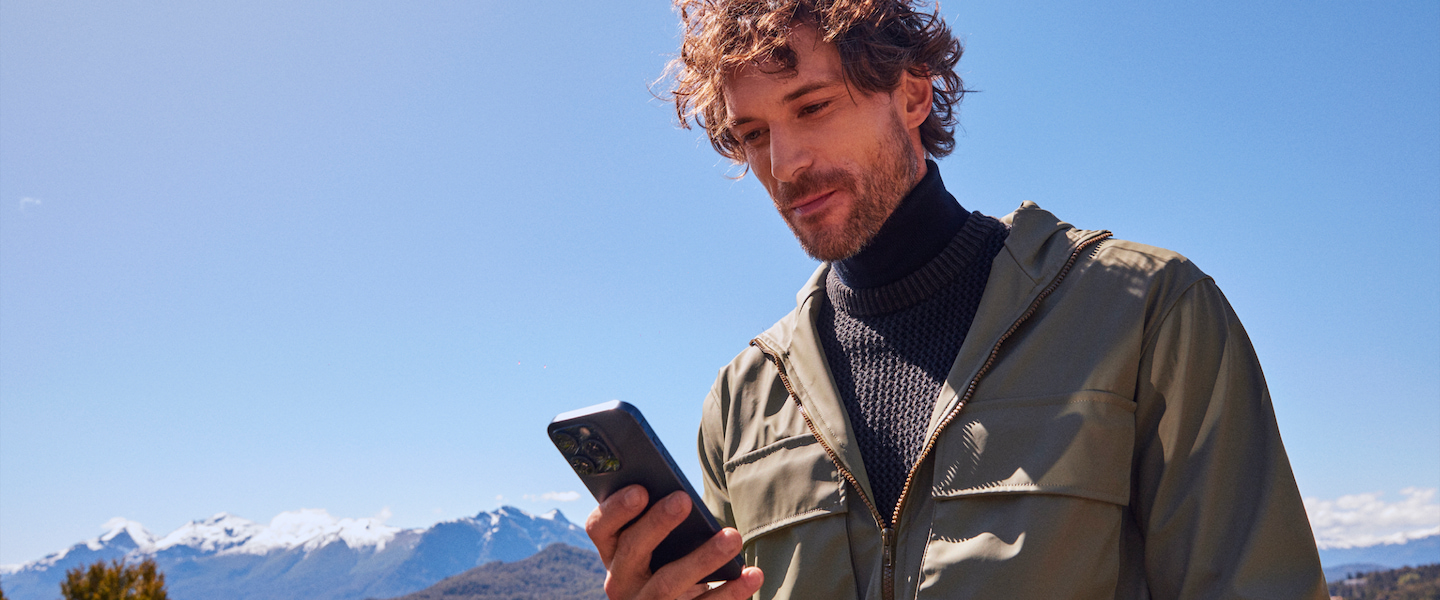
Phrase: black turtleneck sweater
(897, 314)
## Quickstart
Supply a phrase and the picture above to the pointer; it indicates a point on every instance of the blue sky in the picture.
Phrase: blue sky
(355, 255)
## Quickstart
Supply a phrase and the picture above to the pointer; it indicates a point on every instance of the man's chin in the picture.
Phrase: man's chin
(825, 240)
(829, 248)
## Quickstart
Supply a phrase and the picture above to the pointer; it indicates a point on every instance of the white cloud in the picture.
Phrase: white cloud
(1366, 519)
(27, 201)
(555, 496)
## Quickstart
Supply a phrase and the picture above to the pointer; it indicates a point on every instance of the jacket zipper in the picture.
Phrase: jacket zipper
(887, 533)
(888, 528)
(835, 458)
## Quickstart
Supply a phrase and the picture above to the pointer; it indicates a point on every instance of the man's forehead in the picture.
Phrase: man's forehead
(765, 72)
(816, 65)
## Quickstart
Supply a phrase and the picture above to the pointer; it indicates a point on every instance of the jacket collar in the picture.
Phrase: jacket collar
(1036, 249)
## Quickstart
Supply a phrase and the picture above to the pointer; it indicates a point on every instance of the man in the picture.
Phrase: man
(959, 406)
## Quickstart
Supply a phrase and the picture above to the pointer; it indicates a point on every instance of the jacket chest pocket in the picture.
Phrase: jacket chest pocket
(1031, 493)
(789, 508)
(1077, 444)
(781, 485)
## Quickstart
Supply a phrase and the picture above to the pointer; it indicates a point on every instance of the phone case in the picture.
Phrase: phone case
(610, 446)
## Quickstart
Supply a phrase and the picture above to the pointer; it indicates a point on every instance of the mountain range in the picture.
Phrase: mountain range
(1340, 561)
(308, 554)
(303, 555)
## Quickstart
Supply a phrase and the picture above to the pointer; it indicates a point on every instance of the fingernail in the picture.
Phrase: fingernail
(731, 542)
(632, 498)
(675, 505)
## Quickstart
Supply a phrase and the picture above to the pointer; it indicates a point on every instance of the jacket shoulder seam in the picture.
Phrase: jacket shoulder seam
(1154, 333)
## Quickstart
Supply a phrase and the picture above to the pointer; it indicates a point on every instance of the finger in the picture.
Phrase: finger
(638, 541)
(749, 582)
(604, 523)
(693, 592)
(674, 578)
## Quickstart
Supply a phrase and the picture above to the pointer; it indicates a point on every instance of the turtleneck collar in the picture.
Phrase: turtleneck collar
(916, 232)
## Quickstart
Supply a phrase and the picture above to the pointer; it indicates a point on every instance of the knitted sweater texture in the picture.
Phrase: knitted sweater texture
(890, 348)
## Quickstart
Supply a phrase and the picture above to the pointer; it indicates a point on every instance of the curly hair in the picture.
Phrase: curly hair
(877, 40)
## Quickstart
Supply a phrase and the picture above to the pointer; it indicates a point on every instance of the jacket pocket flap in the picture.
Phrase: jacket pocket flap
(782, 484)
(1077, 444)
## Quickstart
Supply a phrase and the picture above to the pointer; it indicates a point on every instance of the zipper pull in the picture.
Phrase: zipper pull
(887, 541)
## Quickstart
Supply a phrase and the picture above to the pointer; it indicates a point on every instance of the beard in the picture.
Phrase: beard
(876, 192)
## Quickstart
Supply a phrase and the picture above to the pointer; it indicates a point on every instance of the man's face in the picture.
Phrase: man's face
(836, 161)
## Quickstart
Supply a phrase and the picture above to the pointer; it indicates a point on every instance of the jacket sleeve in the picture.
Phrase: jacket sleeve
(1213, 493)
(712, 459)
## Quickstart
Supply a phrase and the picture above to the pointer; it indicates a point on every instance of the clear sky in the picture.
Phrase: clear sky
(263, 256)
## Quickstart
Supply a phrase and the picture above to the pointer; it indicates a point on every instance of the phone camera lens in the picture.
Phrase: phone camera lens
(605, 462)
(595, 449)
(565, 442)
(582, 465)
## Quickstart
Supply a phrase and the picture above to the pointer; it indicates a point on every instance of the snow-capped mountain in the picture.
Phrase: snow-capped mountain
(303, 554)
(306, 529)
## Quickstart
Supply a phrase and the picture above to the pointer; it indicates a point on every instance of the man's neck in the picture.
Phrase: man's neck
(919, 228)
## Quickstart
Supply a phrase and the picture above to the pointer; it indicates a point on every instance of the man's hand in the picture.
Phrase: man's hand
(626, 554)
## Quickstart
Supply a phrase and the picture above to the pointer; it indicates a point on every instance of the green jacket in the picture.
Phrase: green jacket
(1105, 432)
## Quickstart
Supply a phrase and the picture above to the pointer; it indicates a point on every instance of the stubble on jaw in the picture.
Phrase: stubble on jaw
(876, 192)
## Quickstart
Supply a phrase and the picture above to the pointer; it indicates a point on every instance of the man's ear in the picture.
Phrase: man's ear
(915, 97)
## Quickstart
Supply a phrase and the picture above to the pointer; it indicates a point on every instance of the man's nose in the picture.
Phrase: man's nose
(789, 156)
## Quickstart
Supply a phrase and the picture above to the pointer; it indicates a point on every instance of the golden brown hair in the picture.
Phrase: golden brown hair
(877, 40)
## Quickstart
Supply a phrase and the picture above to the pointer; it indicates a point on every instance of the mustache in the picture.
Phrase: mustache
(810, 182)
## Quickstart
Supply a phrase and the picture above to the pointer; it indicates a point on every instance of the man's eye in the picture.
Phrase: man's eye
(814, 108)
(752, 136)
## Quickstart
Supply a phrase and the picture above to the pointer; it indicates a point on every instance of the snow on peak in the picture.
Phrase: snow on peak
(492, 520)
(505, 512)
(306, 529)
(132, 532)
(117, 526)
(224, 533)
(215, 534)
(311, 528)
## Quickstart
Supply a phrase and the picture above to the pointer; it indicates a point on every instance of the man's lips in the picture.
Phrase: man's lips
(811, 204)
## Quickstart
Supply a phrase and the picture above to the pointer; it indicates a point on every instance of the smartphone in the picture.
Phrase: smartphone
(610, 446)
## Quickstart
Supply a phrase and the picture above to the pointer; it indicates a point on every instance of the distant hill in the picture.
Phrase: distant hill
(1343, 572)
(1422, 551)
(1408, 583)
(559, 572)
(304, 555)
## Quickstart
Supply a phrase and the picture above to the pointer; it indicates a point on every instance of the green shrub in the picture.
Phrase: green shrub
(115, 581)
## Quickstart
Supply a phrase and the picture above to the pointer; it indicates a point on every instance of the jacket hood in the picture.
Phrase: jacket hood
(1039, 244)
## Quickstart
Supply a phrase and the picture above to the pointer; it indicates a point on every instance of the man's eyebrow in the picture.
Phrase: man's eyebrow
(790, 97)
(809, 87)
